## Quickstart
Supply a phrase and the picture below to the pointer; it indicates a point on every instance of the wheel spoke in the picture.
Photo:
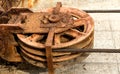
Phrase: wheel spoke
(75, 17)
(79, 22)
(57, 39)
(35, 37)
(74, 33)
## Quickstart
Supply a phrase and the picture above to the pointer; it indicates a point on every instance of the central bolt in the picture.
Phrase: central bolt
(54, 18)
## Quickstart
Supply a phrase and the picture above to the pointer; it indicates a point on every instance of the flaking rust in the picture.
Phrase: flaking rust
(37, 34)
(8, 50)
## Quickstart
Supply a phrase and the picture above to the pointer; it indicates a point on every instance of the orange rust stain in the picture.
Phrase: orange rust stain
(30, 3)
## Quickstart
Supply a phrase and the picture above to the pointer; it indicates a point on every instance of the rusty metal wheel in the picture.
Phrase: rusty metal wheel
(81, 35)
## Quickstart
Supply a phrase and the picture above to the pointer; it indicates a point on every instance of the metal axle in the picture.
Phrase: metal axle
(103, 11)
(89, 50)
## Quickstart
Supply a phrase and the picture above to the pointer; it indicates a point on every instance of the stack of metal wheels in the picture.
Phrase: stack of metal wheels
(32, 46)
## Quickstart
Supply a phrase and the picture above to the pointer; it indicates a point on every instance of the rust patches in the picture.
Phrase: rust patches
(38, 34)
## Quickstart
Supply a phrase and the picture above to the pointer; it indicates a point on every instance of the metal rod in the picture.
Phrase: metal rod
(103, 11)
(89, 50)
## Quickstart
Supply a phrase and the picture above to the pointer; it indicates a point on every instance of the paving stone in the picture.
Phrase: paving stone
(101, 58)
(103, 39)
(81, 4)
(118, 67)
(90, 68)
(114, 21)
(116, 36)
(100, 23)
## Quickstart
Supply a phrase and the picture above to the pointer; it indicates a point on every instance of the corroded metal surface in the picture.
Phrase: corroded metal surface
(34, 36)
(73, 29)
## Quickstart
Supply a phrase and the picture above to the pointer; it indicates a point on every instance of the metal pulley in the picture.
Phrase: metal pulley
(39, 34)
(48, 39)
(54, 29)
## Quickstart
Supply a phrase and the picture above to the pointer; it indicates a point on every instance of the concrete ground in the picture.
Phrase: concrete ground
(107, 35)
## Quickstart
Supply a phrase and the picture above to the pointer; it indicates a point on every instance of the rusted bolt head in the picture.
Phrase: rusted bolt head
(54, 18)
